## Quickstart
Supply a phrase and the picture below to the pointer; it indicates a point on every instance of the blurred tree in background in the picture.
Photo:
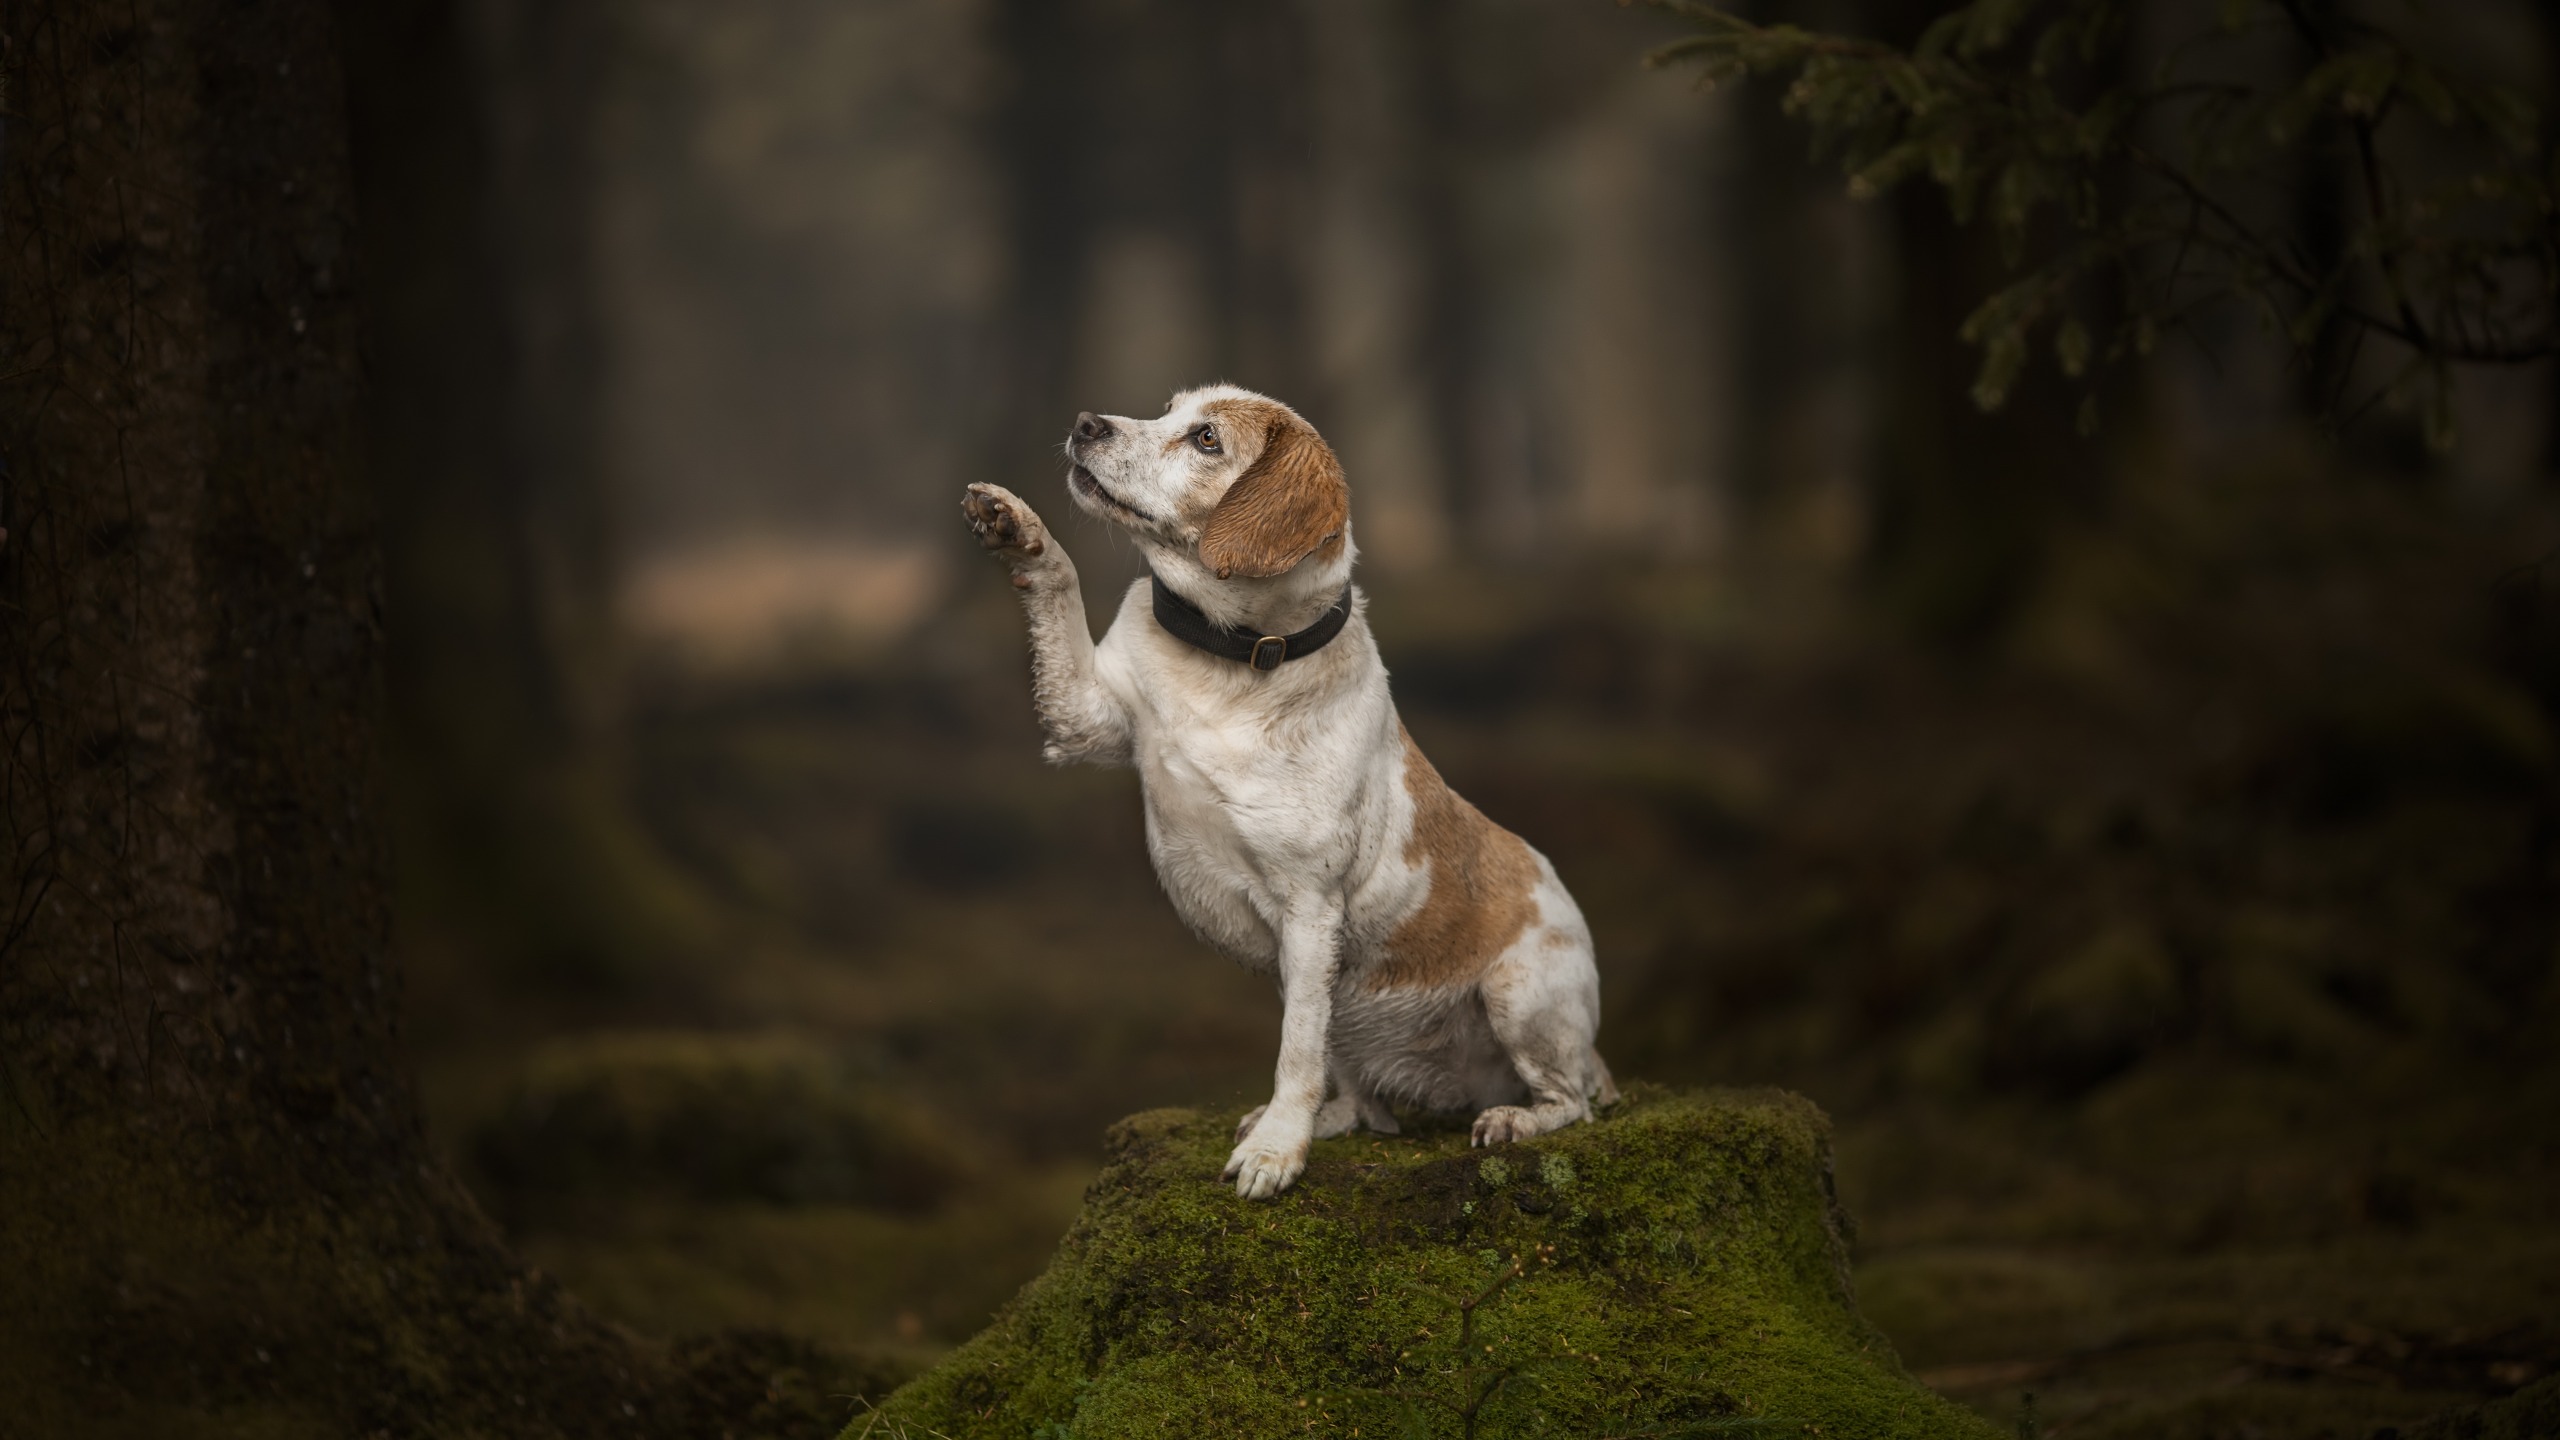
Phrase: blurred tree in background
(486, 436)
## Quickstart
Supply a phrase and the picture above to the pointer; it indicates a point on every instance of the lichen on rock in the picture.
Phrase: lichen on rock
(1676, 1267)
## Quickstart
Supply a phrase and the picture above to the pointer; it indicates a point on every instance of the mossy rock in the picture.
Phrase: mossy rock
(1677, 1267)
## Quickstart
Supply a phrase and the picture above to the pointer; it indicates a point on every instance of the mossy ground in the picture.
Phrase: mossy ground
(1675, 1267)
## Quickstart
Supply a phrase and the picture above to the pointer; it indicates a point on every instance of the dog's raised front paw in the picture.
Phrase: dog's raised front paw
(1262, 1171)
(1504, 1123)
(1251, 1118)
(1003, 523)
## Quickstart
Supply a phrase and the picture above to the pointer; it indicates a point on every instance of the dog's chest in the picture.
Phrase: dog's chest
(1267, 801)
(1253, 796)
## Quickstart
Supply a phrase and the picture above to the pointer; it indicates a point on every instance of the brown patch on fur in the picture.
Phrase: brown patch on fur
(1289, 504)
(1483, 883)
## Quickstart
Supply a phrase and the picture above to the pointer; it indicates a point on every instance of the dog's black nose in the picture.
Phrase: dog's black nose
(1090, 426)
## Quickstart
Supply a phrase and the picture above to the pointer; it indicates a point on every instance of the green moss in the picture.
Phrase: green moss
(1677, 1267)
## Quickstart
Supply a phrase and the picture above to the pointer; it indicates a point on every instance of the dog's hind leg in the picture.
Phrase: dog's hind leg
(1560, 1102)
(1542, 999)
(1338, 1116)
(1354, 1106)
(1375, 1117)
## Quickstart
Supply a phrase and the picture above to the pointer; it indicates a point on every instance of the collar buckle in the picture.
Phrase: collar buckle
(1268, 652)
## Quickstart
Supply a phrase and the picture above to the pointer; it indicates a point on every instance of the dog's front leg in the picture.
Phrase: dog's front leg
(1080, 718)
(1269, 1158)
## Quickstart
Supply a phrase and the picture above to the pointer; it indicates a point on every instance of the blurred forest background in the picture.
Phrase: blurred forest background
(2146, 845)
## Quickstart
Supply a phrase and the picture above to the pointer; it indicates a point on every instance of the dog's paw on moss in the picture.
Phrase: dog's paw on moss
(1676, 1267)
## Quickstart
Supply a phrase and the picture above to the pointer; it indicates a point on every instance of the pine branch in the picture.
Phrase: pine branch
(2002, 105)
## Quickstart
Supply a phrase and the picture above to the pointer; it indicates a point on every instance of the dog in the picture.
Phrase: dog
(1425, 956)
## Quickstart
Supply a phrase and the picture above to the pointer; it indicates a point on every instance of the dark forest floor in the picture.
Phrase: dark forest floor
(2179, 972)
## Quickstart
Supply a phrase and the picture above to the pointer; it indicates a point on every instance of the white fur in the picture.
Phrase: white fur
(1278, 818)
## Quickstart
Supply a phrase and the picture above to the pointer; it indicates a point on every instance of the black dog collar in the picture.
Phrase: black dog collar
(1183, 621)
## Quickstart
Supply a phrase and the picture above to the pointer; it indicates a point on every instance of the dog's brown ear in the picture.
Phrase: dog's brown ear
(1290, 504)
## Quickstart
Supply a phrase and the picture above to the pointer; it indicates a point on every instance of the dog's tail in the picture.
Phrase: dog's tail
(1607, 1093)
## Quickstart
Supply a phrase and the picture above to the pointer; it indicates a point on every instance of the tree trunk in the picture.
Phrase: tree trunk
(217, 1214)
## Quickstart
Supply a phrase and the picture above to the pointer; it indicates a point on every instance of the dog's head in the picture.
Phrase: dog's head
(1233, 481)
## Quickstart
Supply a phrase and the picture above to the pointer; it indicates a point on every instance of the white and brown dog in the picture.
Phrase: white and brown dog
(1425, 955)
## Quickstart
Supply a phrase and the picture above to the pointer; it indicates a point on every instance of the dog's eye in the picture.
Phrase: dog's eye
(1206, 439)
